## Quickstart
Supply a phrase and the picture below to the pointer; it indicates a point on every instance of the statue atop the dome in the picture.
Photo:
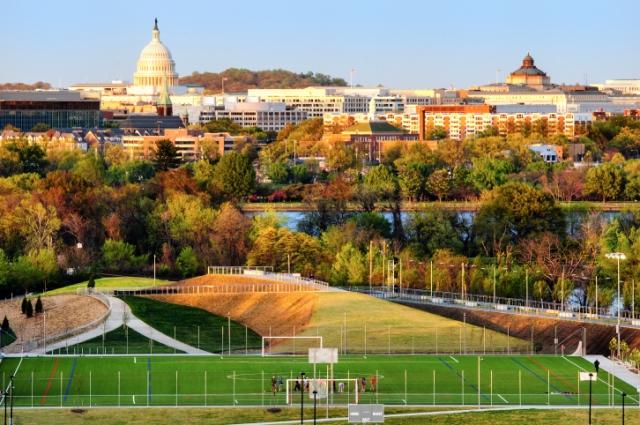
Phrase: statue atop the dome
(155, 27)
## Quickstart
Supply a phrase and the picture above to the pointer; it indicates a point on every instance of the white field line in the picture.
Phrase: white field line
(454, 359)
(602, 380)
(133, 397)
(503, 399)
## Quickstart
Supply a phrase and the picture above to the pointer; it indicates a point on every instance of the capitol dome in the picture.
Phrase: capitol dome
(155, 65)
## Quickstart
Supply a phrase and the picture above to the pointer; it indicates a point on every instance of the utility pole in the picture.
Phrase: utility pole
(370, 263)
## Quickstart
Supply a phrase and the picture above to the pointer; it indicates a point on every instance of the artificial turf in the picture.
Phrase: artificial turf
(246, 380)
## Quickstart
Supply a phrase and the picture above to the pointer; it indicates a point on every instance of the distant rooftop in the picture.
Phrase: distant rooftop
(42, 96)
(373, 127)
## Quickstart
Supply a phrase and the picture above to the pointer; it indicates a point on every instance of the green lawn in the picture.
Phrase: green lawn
(111, 282)
(118, 341)
(246, 380)
(194, 326)
(212, 416)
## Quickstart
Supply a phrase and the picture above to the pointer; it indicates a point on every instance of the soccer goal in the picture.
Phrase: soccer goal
(289, 345)
(331, 391)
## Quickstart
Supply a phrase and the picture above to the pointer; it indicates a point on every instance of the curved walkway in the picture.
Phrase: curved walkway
(119, 314)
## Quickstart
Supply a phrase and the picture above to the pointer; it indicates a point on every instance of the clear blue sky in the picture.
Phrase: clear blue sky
(403, 43)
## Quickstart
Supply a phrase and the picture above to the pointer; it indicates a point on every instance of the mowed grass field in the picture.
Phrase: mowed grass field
(246, 380)
(112, 282)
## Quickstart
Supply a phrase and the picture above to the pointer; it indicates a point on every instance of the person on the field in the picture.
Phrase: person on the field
(279, 383)
(298, 386)
(274, 385)
(373, 382)
(341, 387)
(363, 386)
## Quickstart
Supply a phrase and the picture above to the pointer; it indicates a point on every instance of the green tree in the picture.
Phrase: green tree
(31, 158)
(413, 179)
(120, 256)
(23, 306)
(349, 266)
(224, 125)
(278, 172)
(5, 325)
(234, 176)
(92, 281)
(439, 183)
(488, 173)
(433, 229)
(187, 262)
(512, 212)
(166, 155)
(606, 181)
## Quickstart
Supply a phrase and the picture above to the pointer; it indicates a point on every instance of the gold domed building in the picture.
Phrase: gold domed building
(529, 75)
(155, 65)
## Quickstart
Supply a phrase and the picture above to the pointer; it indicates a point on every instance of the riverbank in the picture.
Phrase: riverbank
(458, 206)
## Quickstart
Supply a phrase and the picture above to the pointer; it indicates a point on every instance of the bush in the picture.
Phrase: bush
(23, 307)
(92, 282)
(187, 262)
(39, 307)
(5, 324)
(120, 256)
(29, 309)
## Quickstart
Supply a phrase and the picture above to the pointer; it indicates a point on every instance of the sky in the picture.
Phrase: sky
(399, 44)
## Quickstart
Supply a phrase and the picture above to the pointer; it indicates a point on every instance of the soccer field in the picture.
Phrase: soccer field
(210, 381)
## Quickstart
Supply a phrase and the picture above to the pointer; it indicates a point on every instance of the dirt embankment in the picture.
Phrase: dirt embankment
(265, 313)
(569, 333)
(64, 313)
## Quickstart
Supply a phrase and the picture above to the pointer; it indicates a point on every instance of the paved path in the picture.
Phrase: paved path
(616, 369)
(118, 314)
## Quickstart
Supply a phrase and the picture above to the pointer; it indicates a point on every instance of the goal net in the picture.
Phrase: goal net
(331, 391)
(289, 345)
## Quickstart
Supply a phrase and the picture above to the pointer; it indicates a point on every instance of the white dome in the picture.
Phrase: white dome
(155, 65)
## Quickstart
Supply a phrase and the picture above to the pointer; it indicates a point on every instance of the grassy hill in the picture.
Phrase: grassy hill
(240, 80)
(346, 320)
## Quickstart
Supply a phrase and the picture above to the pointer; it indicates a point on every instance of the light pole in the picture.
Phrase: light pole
(596, 364)
(302, 398)
(479, 360)
(11, 410)
(315, 402)
(617, 256)
(494, 284)
(623, 396)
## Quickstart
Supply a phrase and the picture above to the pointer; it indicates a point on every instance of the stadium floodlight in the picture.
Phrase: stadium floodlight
(617, 256)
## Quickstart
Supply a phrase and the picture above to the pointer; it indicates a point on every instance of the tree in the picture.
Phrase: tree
(40, 127)
(230, 235)
(166, 155)
(349, 266)
(187, 262)
(92, 282)
(488, 173)
(38, 224)
(39, 306)
(224, 125)
(5, 324)
(29, 309)
(439, 183)
(23, 307)
(120, 256)
(433, 229)
(234, 176)
(413, 179)
(512, 212)
(606, 181)
(278, 172)
(31, 158)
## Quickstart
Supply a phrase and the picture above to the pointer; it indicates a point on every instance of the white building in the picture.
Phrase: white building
(266, 116)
